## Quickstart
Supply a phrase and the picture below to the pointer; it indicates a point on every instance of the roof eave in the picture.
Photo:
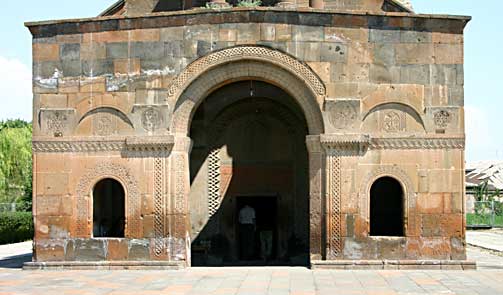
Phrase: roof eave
(113, 8)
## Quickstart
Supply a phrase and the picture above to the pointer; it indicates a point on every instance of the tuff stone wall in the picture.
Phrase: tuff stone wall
(391, 104)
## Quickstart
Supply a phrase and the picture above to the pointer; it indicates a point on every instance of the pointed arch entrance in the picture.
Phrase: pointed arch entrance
(303, 95)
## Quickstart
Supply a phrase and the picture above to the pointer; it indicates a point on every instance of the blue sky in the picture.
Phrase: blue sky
(483, 61)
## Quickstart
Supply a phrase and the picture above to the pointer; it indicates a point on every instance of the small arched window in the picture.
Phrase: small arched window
(386, 208)
(108, 209)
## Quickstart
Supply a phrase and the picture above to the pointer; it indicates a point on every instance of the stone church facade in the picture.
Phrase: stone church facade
(340, 123)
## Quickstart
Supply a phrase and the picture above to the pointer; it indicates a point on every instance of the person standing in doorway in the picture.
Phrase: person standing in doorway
(247, 226)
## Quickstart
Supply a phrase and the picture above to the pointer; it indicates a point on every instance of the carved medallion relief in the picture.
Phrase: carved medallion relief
(150, 118)
(343, 114)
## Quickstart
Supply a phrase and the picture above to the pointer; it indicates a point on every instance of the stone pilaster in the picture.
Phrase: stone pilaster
(179, 208)
(316, 196)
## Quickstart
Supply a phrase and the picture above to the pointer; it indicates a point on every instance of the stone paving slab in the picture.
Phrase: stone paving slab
(251, 281)
(487, 239)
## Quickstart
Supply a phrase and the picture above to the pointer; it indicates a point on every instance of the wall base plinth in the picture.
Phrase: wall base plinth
(395, 264)
(105, 265)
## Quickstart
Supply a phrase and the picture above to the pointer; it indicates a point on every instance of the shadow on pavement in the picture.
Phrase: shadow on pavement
(15, 261)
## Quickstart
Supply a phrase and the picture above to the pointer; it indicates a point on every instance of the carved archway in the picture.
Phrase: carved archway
(217, 69)
(244, 63)
(85, 187)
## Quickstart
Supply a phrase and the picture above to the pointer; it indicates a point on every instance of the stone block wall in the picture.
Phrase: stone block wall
(102, 95)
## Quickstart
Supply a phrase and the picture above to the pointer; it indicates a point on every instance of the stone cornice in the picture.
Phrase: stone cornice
(95, 145)
(362, 141)
(150, 143)
(300, 16)
(345, 141)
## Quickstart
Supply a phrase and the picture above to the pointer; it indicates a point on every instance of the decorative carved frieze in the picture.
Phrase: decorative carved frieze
(363, 141)
(94, 145)
(80, 146)
(417, 143)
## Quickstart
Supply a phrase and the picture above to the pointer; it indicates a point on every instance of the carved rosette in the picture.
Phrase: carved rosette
(442, 119)
(84, 192)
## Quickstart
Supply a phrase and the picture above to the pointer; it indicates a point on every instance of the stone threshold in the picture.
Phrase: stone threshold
(395, 264)
(105, 265)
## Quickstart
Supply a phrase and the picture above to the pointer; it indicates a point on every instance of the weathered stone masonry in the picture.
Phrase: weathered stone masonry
(381, 94)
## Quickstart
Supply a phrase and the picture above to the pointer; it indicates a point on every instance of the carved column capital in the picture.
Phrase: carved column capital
(313, 143)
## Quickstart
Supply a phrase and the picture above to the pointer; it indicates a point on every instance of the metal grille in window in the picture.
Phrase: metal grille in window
(213, 182)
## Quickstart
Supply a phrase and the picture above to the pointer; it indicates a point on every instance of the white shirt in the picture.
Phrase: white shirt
(247, 215)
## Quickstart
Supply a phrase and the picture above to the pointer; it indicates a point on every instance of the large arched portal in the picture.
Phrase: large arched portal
(249, 175)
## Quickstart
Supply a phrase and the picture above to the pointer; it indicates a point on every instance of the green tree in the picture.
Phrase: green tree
(484, 194)
(16, 163)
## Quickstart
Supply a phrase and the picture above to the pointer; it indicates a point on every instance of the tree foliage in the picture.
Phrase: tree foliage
(15, 162)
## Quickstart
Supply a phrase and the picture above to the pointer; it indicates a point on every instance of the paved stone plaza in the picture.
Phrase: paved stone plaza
(251, 281)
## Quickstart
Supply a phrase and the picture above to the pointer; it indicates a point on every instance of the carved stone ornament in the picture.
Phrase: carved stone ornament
(56, 122)
(417, 143)
(392, 122)
(242, 53)
(103, 125)
(151, 119)
(342, 114)
(442, 118)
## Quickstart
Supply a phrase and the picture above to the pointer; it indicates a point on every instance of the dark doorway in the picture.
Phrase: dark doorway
(249, 149)
(108, 209)
(256, 228)
(386, 208)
